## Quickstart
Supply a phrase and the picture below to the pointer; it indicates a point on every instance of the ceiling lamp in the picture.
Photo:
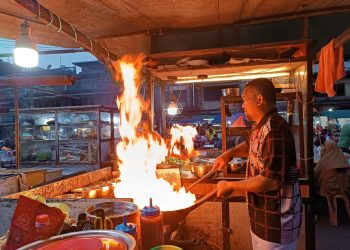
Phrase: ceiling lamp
(25, 53)
(172, 108)
(245, 75)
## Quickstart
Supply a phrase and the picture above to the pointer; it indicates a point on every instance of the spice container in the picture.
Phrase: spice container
(42, 227)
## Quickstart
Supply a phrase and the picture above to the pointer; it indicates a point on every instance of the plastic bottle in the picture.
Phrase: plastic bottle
(42, 227)
(129, 228)
(151, 222)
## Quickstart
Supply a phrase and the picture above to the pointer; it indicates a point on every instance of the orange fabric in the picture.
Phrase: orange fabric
(331, 68)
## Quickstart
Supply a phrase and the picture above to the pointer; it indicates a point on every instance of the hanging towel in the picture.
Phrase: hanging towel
(331, 68)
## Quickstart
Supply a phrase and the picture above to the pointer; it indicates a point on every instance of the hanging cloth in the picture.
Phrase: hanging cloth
(331, 68)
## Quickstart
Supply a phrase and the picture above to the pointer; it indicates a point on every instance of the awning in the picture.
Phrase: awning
(345, 113)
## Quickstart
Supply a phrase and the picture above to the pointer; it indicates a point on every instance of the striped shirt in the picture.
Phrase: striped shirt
(275, 216)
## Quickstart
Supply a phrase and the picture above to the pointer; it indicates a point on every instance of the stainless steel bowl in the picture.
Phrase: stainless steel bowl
(237, 166)
(115, 211)
(201, 169)
(230, 92)
(104, 235)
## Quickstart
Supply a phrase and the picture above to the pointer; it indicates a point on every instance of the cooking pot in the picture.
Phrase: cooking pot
(115, 211)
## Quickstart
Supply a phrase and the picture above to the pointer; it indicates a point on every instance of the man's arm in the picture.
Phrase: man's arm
(257, 184)
(241, 150)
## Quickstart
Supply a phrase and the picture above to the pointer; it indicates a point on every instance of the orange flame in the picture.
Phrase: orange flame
(139, 153)
(182, 136)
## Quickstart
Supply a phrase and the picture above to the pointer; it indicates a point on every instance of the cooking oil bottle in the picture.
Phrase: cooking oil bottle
(151, 222)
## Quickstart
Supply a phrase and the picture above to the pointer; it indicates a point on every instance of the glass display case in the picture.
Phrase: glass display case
(67, 135)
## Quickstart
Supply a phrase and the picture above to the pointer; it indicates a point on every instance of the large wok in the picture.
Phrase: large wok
(173, 217)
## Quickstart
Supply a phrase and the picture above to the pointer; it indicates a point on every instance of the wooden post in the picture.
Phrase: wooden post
(18, 146)
(223, 123)
(162, 106)
(309, 213)
(305, 27)
(150, 97)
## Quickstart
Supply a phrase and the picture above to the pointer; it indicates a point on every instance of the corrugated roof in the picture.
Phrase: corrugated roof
(125, 26)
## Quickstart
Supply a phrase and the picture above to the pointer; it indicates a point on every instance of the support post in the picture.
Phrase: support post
(162, 106)
(18, 146)
(150, 97)
(309, 213)
(226, 225)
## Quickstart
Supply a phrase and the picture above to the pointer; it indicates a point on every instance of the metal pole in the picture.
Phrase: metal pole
(17, 127)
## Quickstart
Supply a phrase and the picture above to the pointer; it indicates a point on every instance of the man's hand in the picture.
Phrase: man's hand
(224, 189)
(220, 162)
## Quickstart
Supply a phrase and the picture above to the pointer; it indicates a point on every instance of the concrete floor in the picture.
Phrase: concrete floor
(330, 237)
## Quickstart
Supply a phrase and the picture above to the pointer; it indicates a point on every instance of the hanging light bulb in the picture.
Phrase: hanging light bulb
(25, 53)
(172, 108)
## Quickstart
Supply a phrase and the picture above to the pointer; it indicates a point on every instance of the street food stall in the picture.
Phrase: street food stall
(140, 151)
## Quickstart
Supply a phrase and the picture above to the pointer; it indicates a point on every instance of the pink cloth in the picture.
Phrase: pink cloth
(331, 68)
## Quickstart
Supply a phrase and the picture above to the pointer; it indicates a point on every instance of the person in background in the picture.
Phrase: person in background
(209, 133)
(331, 158)
(199, 139)
(217, 141)
(273, 192)
(344, 139)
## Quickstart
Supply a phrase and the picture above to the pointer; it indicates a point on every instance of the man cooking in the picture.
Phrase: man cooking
(273, 192)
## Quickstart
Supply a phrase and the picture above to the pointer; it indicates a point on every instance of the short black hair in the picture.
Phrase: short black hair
(264, 87)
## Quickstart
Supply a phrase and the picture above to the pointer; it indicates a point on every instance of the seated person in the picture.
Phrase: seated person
(200, 139)
(331, 164)
(217, 141)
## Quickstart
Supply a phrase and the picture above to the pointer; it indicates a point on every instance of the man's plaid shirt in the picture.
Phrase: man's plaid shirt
(274, 216)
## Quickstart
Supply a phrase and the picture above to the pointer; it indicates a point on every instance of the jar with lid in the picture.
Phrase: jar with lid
(151, 222)
(42, 227)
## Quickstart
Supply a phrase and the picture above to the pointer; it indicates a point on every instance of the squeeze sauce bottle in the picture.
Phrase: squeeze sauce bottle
(151, 222)
(129, 228)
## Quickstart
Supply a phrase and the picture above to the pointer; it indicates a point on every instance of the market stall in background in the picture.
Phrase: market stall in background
(155, 188)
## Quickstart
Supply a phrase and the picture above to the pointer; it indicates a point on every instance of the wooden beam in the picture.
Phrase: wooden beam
(62, 26)
(25, 81)
(338, 41)
(51, 52)
(243, 22)
(216, 51)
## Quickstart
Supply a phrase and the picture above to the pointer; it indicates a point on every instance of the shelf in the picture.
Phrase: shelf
(238, 131)
(36, 140)
(77, 140)
(26, 126)
(279, 97)
(77, 124)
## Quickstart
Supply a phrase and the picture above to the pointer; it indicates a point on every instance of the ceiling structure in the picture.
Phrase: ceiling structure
(123, 26)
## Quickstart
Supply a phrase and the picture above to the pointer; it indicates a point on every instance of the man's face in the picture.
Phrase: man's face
(249, 104)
